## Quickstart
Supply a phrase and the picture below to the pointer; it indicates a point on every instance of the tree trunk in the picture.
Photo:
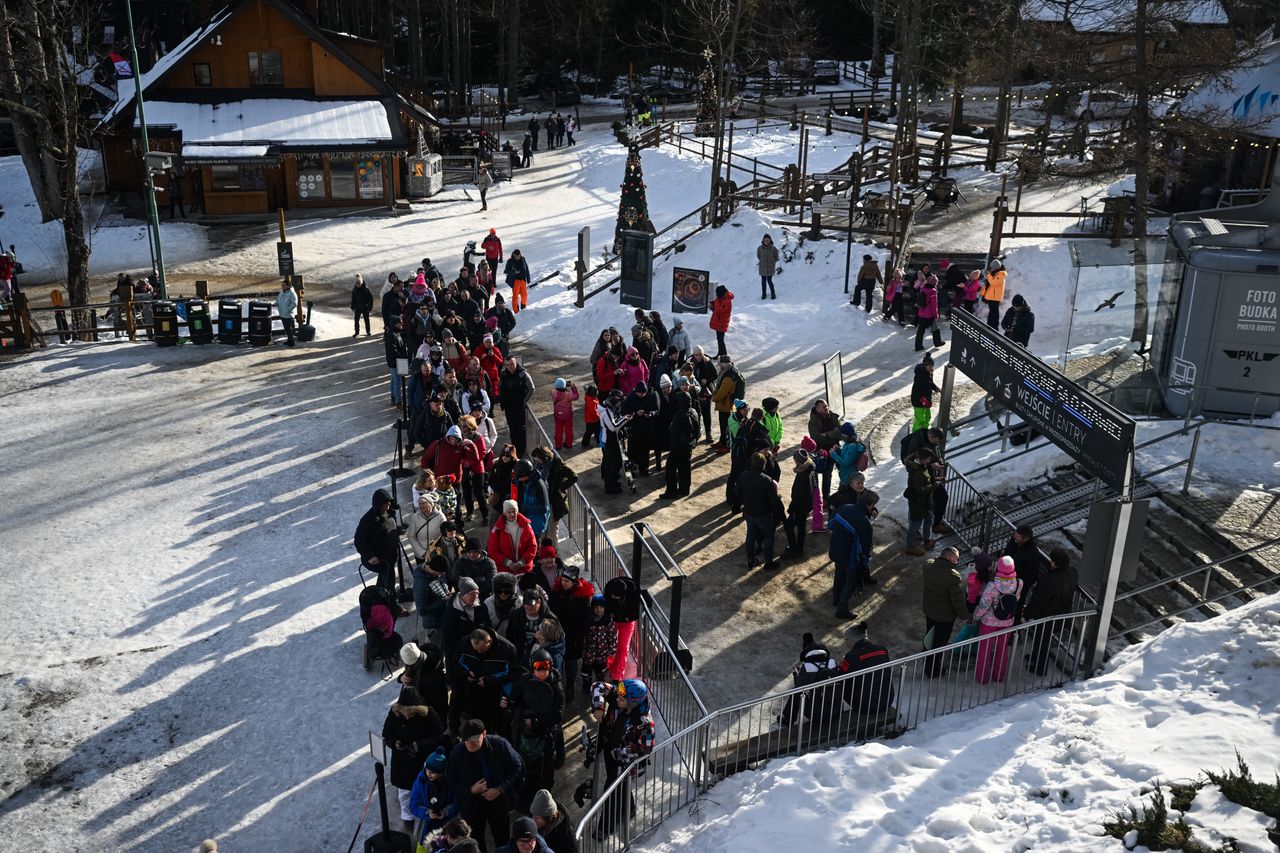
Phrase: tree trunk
(417, 70)
(1141, 173)
(876, 65)
(513, 52)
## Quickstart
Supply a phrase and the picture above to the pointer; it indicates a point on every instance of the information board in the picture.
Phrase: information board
(1091, 431)
(690, 290)
(284, 258)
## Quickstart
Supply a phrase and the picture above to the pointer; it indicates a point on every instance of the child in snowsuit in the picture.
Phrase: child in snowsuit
(997, 609)
(591, 417)
(562, 397)
(599, 645)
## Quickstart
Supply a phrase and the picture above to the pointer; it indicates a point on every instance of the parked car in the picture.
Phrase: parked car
(801, 66)
(1103, 103)
(665, 91)
(826, 71)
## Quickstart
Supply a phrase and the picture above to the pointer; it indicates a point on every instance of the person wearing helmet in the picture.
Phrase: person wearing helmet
(612, 420)
(628, 730)
(539, 703)
(599, 644)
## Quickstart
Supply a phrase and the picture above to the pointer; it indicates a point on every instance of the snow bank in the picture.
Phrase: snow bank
(1039, 773)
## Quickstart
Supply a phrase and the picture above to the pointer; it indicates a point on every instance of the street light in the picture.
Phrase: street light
(150, 161)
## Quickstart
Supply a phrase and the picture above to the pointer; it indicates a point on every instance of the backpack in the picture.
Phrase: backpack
(921, 299)
(1006, 605)
(739, 386)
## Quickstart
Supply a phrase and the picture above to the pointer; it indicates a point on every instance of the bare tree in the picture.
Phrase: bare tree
(44, 54)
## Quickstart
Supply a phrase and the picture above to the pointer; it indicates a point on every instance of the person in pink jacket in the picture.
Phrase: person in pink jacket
(632, 371)
(969, 293)
(927, 313)
(893, 296)
(562, 397)
(993, 614)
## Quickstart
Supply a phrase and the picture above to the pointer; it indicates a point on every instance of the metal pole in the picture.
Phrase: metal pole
(1191, 460)
(677, 596)
(944, 404)
(848, 241)
(146, 149)
(637, 555)
(1119, 535)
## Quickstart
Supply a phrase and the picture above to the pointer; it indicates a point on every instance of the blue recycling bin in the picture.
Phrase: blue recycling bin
(230, 321)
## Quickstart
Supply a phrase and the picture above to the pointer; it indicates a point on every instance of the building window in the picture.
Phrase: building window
(265, 68)
(310, 178)
(342, 179)
(109, 34)
(204, 76)
(237, 179)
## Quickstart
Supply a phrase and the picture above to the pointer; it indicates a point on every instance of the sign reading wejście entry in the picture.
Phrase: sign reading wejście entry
(1091, 431)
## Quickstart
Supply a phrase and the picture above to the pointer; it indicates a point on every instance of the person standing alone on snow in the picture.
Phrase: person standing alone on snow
(361, 305)
(922, 391)
(868, 276)
(517, 272)
(483, 181)
(721, 308)
(767, 262)
(286, 307)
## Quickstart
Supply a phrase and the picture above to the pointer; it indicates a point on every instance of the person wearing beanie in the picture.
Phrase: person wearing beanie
(721, 309)
(412, 730)
(998, 608)
(361, 305)
(641, 406)
(868, 277)
(553, 822)
(462, 617)
(767, 264)
(484, 774)
(570, 599)
(492, 247)
(475, 564)
(815, 664)
(804, 485)
(924, 474)
(772, 421)
(599, 643)
(377, 539)
(1019, 321)
(679, 339)
(563, 397)
(942, 603)
(524, 831)
(872, 694)
(922, 390)
(430, 800)
(992, 291)
(729, 388)
(424, 671)
(512, 542)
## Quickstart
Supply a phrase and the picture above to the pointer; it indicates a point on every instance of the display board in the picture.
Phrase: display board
(690, 290)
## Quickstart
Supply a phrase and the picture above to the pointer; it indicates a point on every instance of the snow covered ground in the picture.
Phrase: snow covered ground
(1038, 773)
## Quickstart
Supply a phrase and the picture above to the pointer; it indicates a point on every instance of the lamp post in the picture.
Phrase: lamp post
(153, 224)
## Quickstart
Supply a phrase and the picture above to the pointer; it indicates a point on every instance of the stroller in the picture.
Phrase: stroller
(378, 614)
(629, 468)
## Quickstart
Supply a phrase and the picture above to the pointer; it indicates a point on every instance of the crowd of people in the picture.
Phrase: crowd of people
(509, 644)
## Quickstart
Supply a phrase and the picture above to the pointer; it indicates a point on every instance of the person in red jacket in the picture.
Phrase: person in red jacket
(492, 249)
(449, 455)
(721, 307)
(491, 359)
(512, 543)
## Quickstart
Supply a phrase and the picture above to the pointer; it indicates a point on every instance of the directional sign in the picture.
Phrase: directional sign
(284, 258)
(1091, 431)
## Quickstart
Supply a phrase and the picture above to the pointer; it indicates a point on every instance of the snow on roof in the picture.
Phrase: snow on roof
(1104, 16)
(164, 63)
(274, 120)
(1248, 97)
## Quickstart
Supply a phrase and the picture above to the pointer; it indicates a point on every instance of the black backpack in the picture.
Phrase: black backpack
(921, 299)
(1006, 606)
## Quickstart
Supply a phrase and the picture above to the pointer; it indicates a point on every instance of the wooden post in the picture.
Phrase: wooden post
(866, 128)
(997, 225)
(280, 214)
(1121, 210)
(828, 121)
(22, 314)
(126, 308)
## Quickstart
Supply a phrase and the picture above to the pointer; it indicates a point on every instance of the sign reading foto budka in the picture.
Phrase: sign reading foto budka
(1091, 431)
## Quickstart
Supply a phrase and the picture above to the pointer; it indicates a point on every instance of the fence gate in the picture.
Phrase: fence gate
(459, 169)
(833, 376)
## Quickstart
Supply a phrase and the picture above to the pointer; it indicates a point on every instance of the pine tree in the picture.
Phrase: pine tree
(633, 209)
(708, 99)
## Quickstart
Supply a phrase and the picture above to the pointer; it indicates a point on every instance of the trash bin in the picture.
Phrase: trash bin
(199, 326)
(165, 315)
(230, 321)
(260, 323)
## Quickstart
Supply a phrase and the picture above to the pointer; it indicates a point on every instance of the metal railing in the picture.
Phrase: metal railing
(1209, 569)
(651, 656)
(972, 514)
(885, 700)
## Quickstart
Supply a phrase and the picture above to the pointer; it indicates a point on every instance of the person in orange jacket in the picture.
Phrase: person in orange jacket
(993, 292)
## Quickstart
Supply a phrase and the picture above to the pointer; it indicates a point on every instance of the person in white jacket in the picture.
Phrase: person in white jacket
(286, 307)
(484, 425)
(424, 525)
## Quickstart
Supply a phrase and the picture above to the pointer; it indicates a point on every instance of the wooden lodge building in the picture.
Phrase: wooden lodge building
(263, 109)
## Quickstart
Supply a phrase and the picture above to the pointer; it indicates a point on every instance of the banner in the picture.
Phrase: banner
(690, 291)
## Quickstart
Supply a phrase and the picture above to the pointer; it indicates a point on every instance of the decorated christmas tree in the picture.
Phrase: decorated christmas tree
(708, 99)
(633, 209)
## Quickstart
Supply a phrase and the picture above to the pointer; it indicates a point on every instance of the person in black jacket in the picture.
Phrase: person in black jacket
(539, 711)
(515, 389)
(759, 495)
(922, 391)
(377, 539)
(463, 615)
(394, 344)
(705, 374)
(412, 730)
(553, 822)
(424, 671)
(867, 695)
(484, 774)
(1019, 322)
(801, 505)
(517, 273)
(393, 301)
(361, 305)
(849, 548)
(484, 679)
(642, 406)
(683, 431)
(1053, 595)
(1027, 559)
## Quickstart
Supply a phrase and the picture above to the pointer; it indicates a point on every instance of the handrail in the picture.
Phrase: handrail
(1129, 629)
(1172, 579)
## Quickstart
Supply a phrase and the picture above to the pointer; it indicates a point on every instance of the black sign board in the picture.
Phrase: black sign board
(1092, 432)
(284, 258)
(637, 269)
(690, 290)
